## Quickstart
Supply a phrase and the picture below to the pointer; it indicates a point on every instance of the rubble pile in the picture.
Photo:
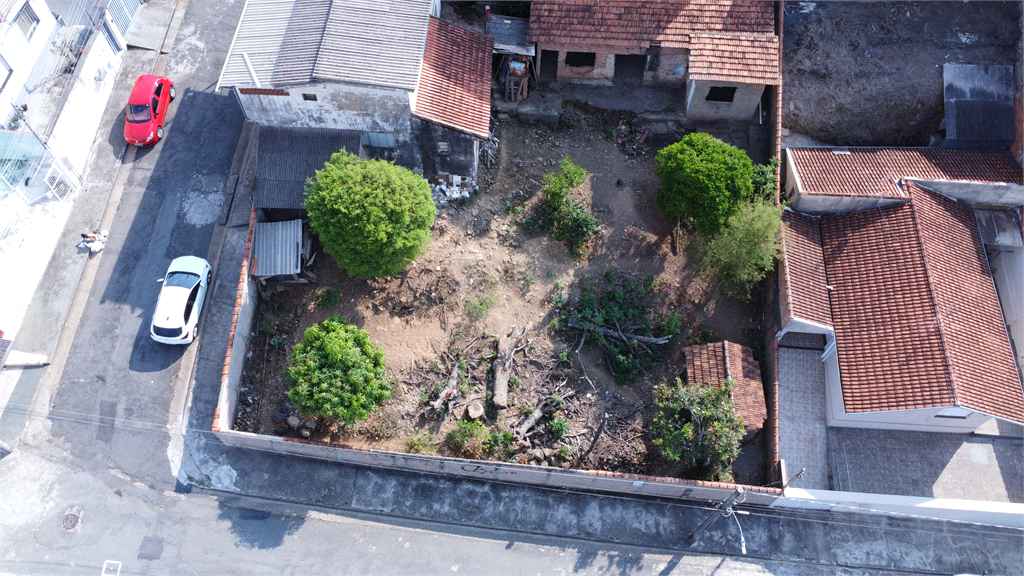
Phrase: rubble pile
(447, 188)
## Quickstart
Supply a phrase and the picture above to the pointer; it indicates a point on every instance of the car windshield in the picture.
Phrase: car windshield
(138, 113)
(167, 332)
(182, 279)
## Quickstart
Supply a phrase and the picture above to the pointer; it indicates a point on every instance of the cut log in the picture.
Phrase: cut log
(503, 364)
(616, 334)
(593, 442)
(542, 409)
(450, 392)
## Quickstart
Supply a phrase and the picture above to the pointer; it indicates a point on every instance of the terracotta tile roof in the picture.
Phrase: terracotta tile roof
(804, 269)
(735, 58)
(455, 82)
(716, 362)
(632, 24)
(875, 171)
(916, 315)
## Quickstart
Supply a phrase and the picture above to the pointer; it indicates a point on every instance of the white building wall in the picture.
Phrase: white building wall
(340, 106)
(20, 53)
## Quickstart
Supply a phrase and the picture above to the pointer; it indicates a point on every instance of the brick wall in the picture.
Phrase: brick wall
(669, 66)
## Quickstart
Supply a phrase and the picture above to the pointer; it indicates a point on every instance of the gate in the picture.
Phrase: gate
(122, 12)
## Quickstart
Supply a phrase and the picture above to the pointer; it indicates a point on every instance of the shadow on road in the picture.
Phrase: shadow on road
(257, 528)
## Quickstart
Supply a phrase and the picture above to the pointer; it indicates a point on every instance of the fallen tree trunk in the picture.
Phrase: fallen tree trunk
(449, 393)
(593, 442)
(503, 364)
(542, 409)
(617, 334)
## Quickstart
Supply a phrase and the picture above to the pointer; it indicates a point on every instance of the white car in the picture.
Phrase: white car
(181, 300)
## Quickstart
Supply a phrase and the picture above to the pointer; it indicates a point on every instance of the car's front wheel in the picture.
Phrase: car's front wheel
(160, 133)
(172, 92)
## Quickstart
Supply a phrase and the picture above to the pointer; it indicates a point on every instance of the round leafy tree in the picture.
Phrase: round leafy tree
(373, 217)
(696, 425)
(703, 179)
(743, 252)
(336, 372)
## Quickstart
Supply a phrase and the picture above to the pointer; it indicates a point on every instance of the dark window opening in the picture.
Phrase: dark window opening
(191, 302)
(721, 94)
(443, 148)
(580, 59)
(310, 97)
(156, 106)
(159, 89)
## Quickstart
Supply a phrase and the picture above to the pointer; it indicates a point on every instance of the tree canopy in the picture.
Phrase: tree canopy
(703, 180)
(744, 251)
(697, 425)
(336, 372)
(372, 216)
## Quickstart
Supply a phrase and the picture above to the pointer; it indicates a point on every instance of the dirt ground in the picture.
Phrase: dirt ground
(870, 73)
(422, 318)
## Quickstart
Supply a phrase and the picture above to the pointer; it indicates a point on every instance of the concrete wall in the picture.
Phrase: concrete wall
(978, 194)
(21, 53)
(86, 101)
(665, 66)
(246, 300)
(742, 107)
(463, 155)
(973, 511)
(821, 204)
(337, 105)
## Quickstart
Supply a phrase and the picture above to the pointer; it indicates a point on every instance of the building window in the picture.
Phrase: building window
(721, 94)
(310, 97)
(27, 21)
(580, 59)
(443, 148)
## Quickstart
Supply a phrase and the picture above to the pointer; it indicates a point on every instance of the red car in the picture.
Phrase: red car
(147, 109)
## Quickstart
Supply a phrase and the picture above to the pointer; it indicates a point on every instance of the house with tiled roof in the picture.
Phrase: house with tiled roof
(725, 52)
(715, 363)
(908, 265)
(416, 87)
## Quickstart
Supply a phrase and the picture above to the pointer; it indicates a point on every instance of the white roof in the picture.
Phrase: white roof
(293, 42)
(170, 307)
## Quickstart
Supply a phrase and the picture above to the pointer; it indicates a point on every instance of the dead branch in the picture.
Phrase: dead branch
(600, 429)
(450, 393)
(614, 334)
(544, 408)
(503, 363)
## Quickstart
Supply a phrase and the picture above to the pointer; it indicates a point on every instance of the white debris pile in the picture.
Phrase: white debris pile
(450, 187)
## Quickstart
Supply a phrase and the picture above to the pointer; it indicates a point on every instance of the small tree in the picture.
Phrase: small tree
(743, 252)
(703, 179)
(336, 372)
(696, 425)
(373, 217)
(764, 180)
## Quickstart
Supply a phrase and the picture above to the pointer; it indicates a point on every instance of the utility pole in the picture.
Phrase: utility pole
(725, 509)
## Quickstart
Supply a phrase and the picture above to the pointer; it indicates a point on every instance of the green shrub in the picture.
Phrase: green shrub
(743, 252)
(565, 219)
(336, 372)
(373, 217)
(467, 439)
(704, 180)
(764, 180)
(500, 445)
(558, 427)
(326, 298)
(559, 184)
(477, 307)
(421, 444)
(573, 224)
(697, 425)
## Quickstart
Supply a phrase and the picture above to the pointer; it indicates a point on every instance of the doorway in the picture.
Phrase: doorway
(629, 69)
(548, 66)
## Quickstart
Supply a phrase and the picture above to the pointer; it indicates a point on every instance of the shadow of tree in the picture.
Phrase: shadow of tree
(257, 528)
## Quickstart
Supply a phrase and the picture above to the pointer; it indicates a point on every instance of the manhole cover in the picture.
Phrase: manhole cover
(70, 521)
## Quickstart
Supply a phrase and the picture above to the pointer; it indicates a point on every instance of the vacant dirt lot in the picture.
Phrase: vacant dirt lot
(870, 73)
(483, 274)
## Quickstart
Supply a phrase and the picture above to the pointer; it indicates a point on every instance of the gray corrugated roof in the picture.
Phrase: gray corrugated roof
(277, 248)
(509, 34)
(286, 157)
(289, 42)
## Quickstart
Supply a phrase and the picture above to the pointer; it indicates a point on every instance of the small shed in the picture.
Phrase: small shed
(510, 35)
(280, 252)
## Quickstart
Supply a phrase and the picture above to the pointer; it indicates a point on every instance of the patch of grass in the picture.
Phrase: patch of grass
(558, 427)
(527, 280)
(326, 298)
(266, 325)
(467, 439)
(564, 453)
(478, 307)
(421, 444)
(513, 382)
(500, 445)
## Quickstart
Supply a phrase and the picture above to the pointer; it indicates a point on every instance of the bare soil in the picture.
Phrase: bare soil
(870, 73)
(423, 320)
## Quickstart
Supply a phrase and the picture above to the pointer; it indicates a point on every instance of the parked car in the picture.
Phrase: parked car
(147, 108)
(181, 300)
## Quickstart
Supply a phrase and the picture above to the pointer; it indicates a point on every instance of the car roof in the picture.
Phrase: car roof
(192, 264)
(143, 89)
(170, 307)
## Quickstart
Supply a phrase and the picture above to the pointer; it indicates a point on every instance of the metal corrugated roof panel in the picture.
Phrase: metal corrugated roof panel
(277, 248)
(259, 35)
(301, 44)
(375, 42)
(287, 156)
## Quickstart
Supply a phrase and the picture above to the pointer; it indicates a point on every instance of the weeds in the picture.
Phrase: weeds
(478, 307)
(326, 298)
(467, 439)
(421, 444)
(703, 336)
(500, 445)
(266, 325)
(278, 342)
(558, 427)
(565, 219)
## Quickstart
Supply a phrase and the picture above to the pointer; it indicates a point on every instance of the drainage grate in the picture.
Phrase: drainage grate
(70, 521)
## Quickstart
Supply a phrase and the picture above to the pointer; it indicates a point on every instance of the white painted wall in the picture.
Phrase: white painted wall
(21, 53)
(75, 130)
(342, 106)
(1007, 263)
